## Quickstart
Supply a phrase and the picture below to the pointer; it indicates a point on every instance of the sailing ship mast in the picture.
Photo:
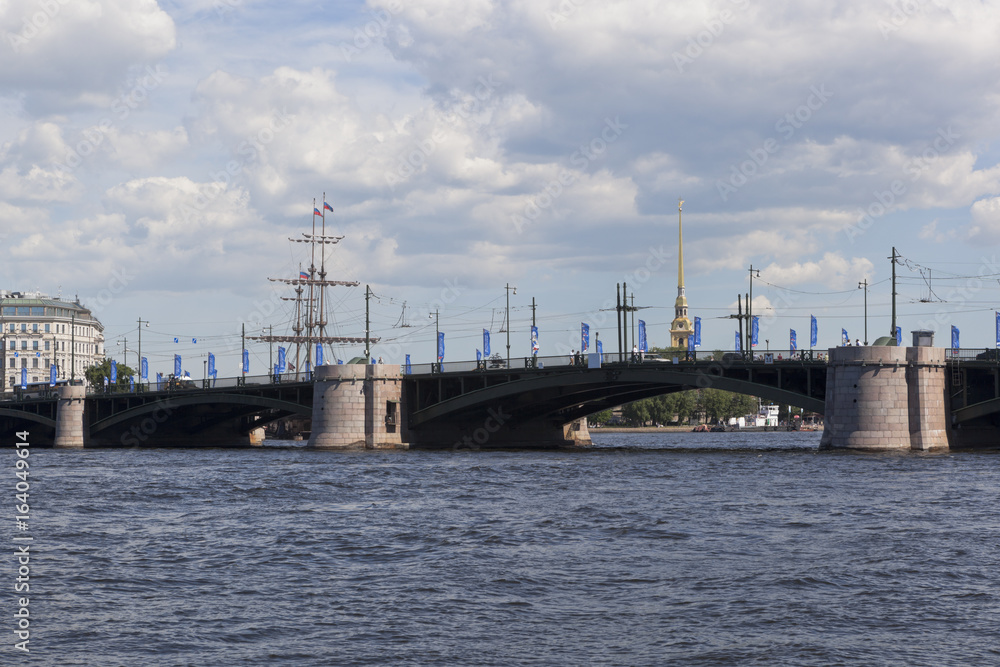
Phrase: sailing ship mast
(310, 314)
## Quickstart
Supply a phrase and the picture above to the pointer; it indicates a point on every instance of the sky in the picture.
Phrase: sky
(155, 157)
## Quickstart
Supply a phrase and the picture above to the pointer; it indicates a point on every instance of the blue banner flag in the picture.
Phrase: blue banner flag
(409, 369)
(697, 332)
(211, 365)
(24, 378)
(479, 355)
(114, 371)
(131, 383)
(844, 338)
(813, 331)
(899, 336)
(584, 336)
(144, 369)
(690, 343)
(486, 342)
(600, 347)
(998, 329)
(440, 346)
(159, 381)
(791, 340)
(177, 365)
(739, 343)
(954, 337)
(534, 337)
(246, 361)
(642, 335)
(754, 331)
(319, 354)
(52, 375)
(281, 360)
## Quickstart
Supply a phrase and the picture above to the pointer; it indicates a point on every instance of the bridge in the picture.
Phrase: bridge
(534, 401)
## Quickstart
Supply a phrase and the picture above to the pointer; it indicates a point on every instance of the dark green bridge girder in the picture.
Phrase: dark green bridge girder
(28, 416)
(566, 394)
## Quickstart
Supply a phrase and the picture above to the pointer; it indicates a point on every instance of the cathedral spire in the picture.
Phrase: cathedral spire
(680, 252)
(681, 328)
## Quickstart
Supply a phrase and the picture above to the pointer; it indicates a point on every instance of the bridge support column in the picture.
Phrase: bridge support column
(882, 398)
(71, 430)
(357, 406)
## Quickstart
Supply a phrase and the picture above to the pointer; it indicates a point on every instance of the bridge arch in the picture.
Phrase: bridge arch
(172, 402)
(28, 416)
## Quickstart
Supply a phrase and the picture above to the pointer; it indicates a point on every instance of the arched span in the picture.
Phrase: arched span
(976, 411)
(171, 403)
(27, 416)
(575, 392)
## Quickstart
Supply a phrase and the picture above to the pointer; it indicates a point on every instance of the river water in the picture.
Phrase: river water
(648, 549)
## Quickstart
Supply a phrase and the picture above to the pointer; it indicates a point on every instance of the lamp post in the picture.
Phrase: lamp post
(864, 285)
(508, 287)
(750, 308)
(437, 335)
(139, 353)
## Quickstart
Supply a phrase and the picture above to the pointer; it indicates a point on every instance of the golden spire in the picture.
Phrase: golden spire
(680, 250)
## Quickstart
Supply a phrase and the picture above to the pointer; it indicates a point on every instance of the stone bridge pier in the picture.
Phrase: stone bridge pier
(357, 406)
(885, 398)
(70, 425)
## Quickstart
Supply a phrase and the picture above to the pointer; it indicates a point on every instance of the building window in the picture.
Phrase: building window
(24, 328)
(24, 362)
(13, 327)
(24, 345)
(34, 345)
(13, 363)
(34, 362)
(46, 346)
(34, 328)
(47, 328)
(13, 344)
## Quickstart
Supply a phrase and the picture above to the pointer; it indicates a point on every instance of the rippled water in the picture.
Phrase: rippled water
(689, 549)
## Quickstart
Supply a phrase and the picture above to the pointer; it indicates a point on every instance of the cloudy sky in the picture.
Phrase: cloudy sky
(156, 156)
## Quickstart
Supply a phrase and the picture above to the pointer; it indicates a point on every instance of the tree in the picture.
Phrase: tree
(636, 413)
(599, 418)
(95, 375)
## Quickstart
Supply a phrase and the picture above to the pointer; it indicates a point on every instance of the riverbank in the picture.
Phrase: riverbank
(676, 429)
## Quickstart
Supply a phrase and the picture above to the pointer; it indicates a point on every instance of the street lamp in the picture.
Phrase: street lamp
(139, 353)
(509, 288)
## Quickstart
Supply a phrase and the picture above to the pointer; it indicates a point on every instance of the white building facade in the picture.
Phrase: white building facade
(38, 331)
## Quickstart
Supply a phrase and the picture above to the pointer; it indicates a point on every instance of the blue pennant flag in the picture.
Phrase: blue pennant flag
(319, 354)
(52, 375)
(486, 342)
(600, 347)
(954, 337)
(844, 338)
(690, 343)
(281, 360)
(584, 337)
(813, 331)
(24, 378)
(131, 383)
(899, 336)
(144, 369)
(211, 365)
(534, 337)
(998, 329)
(159, 381)
(479, 355)
(791, 340)
(408, 368)
(114, 371)
(697, 332)
(642, 336)
(440, 346)
(739, 343)
(246, 361)
(177, 365)
(754, 331)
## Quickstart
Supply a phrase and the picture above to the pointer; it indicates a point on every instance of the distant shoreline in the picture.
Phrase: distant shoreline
(660, 429)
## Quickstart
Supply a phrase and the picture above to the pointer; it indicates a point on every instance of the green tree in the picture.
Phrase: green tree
(636, 413)
(95, 375)
(599, 418)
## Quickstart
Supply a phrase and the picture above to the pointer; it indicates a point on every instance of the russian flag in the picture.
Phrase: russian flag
(303, 275)
(316, 212)
(327, 207)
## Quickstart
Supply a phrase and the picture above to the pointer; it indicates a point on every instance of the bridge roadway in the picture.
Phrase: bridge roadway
(442, 404)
